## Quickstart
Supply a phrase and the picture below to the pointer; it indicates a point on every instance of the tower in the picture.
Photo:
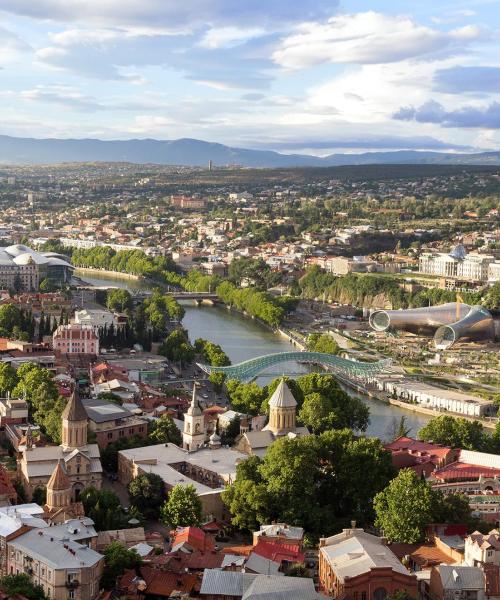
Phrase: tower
(58, 489)
(193, 436)
(282, 409)
(74, 423)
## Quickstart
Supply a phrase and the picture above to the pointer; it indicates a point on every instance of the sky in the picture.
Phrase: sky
(312, 76)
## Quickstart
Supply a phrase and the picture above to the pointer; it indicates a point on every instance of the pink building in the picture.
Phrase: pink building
(76, 339)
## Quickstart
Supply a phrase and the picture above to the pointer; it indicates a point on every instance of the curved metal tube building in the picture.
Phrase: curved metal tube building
(421, 321)
(477, 324)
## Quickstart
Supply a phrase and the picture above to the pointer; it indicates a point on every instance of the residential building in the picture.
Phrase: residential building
(235, 585)
(64, 568)
(76, 339)
(359, 566)
(279, 533)
(13, 410)
(456, 582)
(482, 548)
(96, 318)
(111, 422)
(187, 203)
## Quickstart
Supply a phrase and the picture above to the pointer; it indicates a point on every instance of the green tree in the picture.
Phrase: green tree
(46, 286)
(323, 342)
(176, 347)
(182, 508)
(39, 495)
(21, 585)
(404, 508)
(104, 508)
(317, 482)
(119, 300)
(455, 432)
(147, 494)
(8, 378)
(117, 559)
(245, 397)
(164, 431)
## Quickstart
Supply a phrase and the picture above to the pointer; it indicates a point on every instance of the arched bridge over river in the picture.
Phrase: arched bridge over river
(249, 369)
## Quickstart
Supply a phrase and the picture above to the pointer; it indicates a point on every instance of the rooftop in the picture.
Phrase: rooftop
(42, 545)
(354, 552)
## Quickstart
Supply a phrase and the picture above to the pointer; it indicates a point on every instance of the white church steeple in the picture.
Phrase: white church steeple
(193, 436)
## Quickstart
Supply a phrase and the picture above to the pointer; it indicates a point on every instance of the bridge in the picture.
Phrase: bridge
(249, 369)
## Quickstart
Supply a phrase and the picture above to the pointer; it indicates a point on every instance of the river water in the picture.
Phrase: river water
(243, 338)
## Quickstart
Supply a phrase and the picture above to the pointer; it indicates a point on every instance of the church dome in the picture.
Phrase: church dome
(282, 397)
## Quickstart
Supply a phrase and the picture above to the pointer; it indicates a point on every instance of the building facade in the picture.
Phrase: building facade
(356, 565)
(76, 339)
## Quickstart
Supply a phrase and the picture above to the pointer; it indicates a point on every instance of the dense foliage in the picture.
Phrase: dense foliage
(408, 504)
(176, 347)
(183, 507)
(455, 432)
(21, 585)
(147, 494)
(269, 309)
(322, 342)
(117, 558)
(317, 482)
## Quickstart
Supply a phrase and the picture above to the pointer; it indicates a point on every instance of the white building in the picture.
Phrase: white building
(457, 264)
(440, 399)
(482, 548)
(95, 318)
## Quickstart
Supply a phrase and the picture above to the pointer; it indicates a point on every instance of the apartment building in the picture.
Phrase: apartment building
(65, 569)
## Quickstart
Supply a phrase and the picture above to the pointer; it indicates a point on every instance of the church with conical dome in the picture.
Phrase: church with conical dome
(282, 415)
(74, 462)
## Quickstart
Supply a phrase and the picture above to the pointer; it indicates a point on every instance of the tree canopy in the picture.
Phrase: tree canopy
(21, 584)
(455, 432)
(147, 494)
(117, 559)
(183, 507)
(317, 482)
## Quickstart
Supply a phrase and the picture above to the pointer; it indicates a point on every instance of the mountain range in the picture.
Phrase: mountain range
(191, 152)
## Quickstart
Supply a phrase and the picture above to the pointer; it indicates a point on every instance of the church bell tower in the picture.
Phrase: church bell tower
(193, 436)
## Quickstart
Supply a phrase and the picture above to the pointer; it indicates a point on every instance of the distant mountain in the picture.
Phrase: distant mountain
(190, 152)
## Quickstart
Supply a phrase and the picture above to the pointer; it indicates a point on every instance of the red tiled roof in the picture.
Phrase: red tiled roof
(160, 583)
(195, 537)
(460, 470)
(418, 447)
(279, 552)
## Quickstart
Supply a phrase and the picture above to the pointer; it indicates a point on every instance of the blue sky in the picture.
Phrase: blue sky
(312, 76)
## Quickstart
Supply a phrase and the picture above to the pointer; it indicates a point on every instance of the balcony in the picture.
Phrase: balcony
(72, 583)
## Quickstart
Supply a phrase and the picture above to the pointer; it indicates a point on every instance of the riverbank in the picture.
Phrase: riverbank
(105, 274)
(415, 408)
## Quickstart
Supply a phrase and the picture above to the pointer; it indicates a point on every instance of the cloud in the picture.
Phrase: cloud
(173, 14)
(120, 55)
(467, 116)
(478, 79)
(365, 38)
(12, 47)
(62, 96)
(227, 37)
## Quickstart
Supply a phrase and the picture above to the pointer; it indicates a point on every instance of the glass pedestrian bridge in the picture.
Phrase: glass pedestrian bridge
(249, 369)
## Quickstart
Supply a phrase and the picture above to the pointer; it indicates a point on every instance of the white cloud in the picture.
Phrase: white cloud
(368, 37)
(227, 37)
(11, 47)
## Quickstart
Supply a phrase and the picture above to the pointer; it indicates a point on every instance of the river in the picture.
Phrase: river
(243, 338)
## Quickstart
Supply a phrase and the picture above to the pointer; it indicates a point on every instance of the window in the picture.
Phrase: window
(121, 433)
(110, 435)
(363, 595)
